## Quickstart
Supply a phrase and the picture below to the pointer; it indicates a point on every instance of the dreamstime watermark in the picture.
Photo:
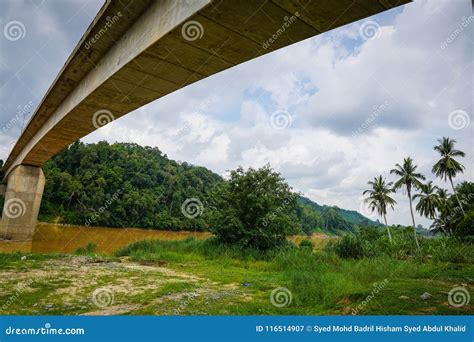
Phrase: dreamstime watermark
(109, 22)
(20, 288)
(281, 119)
(189, 298)
(102, 117)
(458, 210)
(287, 21)
(14, 30)
(281, 297)
(14, 208)
(377, 288)
(369, 30)
(459, 296)
(46, 330)
(365, 209)
(192, 30)
(390, 3)
(103, 297)
(185, 303)
(377, 111)
(192, 208)
(286, 202)
(458, 119)
(452, 37)
(20, 114)
(106, 205)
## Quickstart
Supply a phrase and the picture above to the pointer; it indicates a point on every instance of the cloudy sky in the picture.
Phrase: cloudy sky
(329, 113)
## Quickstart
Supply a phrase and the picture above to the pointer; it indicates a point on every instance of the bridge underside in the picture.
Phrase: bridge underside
(135, 52)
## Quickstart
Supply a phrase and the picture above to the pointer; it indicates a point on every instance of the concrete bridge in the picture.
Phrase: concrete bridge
(135, 52)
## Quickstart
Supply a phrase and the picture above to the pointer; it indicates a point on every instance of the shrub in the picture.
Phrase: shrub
(307, 244)
(465, 229)
(253, 209)
(88, 249)
(349, 247)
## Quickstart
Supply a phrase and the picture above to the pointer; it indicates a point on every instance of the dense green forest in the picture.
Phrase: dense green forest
(127, 185)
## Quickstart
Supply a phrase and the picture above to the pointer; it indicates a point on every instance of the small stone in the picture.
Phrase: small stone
(23, 257)
(425, 296)
(403, 297)
(246, 284)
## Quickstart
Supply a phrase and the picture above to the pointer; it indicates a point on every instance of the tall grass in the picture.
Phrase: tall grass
(180, 250)
(321, 278)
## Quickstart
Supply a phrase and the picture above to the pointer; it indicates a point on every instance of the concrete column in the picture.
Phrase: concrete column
(23, 194)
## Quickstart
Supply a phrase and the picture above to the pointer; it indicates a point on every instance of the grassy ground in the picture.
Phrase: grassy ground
(194, 277)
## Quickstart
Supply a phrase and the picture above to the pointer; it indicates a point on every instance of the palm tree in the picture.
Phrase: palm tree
(379, 198)
(441, 221)
(447, 167)
(429, 200)
(409, 179)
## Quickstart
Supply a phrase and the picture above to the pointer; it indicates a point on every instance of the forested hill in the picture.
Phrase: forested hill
(127, 185)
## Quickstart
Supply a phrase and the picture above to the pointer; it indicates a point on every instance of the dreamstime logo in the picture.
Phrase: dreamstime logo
(458, 119)
(369, 30)
(106, 205)
(21, 113)
(192, 30)
(192, 208)
(14, 208)
(267, 220)
(377, 288)
(378, 110)
(458, 297)
(20, 288)
(389, 3)
(457, 210)
(103, 297)
(365, 209)
(110, 21)
(281, 297)
(465, 22)
(281, 119)
(102, 117)
(14, 30)
(287, 21)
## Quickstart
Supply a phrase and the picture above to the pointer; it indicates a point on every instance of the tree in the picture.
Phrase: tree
(428, 200)
(440, 222)
(254, 208)
(379, 198)
(448, 167)
(408, 178)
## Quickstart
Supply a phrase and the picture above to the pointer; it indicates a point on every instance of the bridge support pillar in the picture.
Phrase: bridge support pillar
(23, 194)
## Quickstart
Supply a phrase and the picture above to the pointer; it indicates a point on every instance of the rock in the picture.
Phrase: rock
(403, 297)
(246, 284)
(425, 296)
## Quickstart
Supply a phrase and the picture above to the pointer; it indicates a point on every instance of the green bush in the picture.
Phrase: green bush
(253, 209)
(88, 249)
(349, 247)
(307, 244)
(465, 229)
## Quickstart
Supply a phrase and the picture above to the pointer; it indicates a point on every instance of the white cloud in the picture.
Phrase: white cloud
(333, 85)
